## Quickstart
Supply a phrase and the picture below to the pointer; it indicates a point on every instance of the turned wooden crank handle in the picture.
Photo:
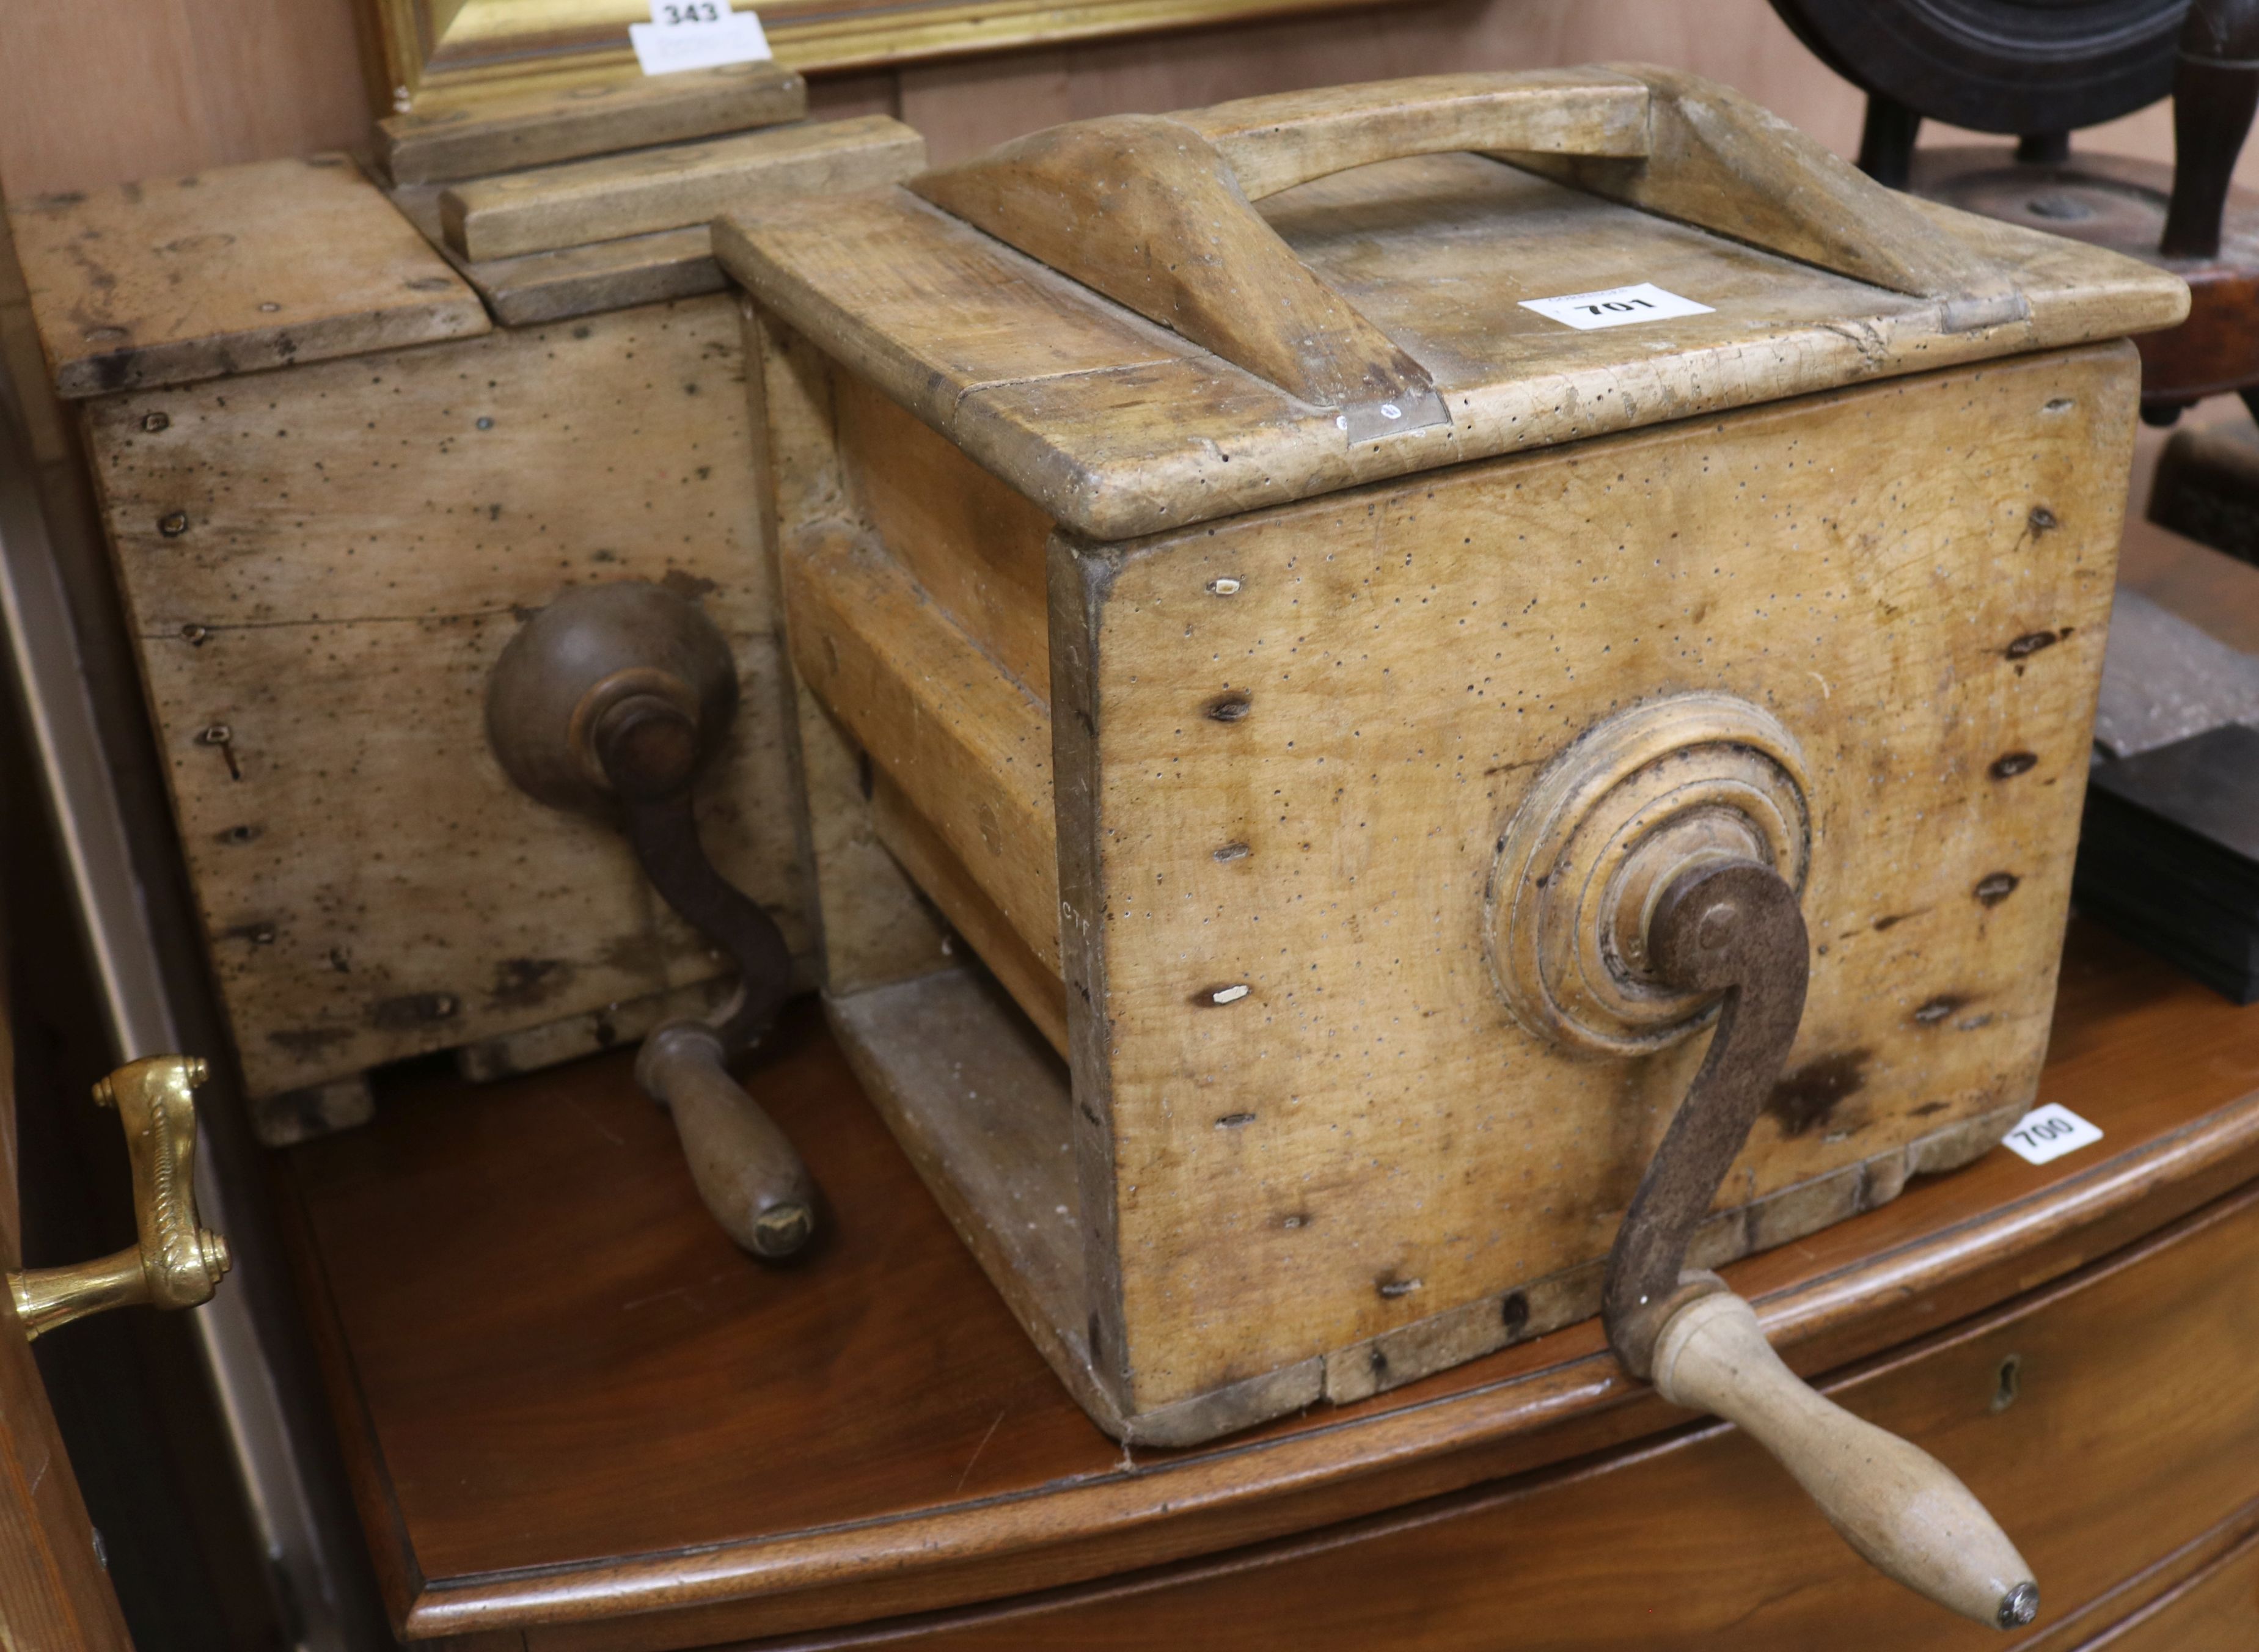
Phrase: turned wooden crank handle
(1734, 926)
(748, 1173)
(1901, 1508)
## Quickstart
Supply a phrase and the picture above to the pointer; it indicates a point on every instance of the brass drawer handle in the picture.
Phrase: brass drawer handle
(180, 1262)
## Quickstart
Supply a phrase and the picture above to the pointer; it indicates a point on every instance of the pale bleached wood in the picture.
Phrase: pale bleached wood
(441, 141)
(1719, 160)
(973, 545)
(354, 553)
(665, 188)
(575, 280)
(968, 746)
(1034, 982)
(1366, 1136)
(1796, 1175)
(1901, 1508)
(1152, 210)
(1118, 427)
(185, 279)
(876, 927)
(1274, 143)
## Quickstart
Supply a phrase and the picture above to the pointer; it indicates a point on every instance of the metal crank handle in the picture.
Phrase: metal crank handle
(614, 696)
(1901, 1508)
(1733, 926)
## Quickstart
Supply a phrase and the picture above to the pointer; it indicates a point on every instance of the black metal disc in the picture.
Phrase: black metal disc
(2008, 65)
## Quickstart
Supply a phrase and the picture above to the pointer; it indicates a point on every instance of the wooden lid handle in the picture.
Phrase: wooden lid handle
(1155, 211)
(1901, 1508)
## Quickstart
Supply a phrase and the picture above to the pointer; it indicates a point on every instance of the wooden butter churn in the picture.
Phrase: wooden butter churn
(338, 485)
(1412, 629)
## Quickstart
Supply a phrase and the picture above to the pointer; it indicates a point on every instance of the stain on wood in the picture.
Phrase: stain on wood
(178, 280)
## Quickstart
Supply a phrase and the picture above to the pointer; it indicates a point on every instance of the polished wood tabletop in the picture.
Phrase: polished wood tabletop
(567, 1400)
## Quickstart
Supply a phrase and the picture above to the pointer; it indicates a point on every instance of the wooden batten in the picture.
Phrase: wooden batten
(667, 188)
(440, 142)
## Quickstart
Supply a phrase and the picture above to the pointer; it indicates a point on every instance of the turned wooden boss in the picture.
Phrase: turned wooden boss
(1302, 673)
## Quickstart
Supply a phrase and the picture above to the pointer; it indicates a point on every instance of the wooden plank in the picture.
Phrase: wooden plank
(139, 285)
(982, 1108)
(968, 745)
(1362, 1134)
(1118, 428)
(1035, 986)
(575, 280)
(441, 141)
(876, 927)
(668, 188)
(353, 546)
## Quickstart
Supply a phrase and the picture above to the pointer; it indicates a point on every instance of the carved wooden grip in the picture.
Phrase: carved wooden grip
(1903, 1510)
(749, 1175)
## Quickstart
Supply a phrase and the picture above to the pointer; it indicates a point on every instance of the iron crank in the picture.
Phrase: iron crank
(611, 700)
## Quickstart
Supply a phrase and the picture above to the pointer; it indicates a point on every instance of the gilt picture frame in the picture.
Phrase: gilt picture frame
(424, 53)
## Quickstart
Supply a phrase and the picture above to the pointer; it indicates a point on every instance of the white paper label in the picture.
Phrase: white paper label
(2050, 1132)
(1617, 307)
(695, 34)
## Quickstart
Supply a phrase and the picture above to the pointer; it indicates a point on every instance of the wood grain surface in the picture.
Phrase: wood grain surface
(643, 190)
(54, 1588)
(320, 567)
(1696, 1541)
(553, 1424)
(471, 137)
(185, 279)
(1118, 427)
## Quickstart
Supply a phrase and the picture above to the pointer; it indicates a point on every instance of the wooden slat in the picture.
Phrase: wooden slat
(665, 189)
(969, 747)
(352, 549)
(1035, 986)
(442, 140)
(140, 285)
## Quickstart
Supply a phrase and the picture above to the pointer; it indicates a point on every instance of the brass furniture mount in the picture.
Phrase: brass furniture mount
(180, 1262)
